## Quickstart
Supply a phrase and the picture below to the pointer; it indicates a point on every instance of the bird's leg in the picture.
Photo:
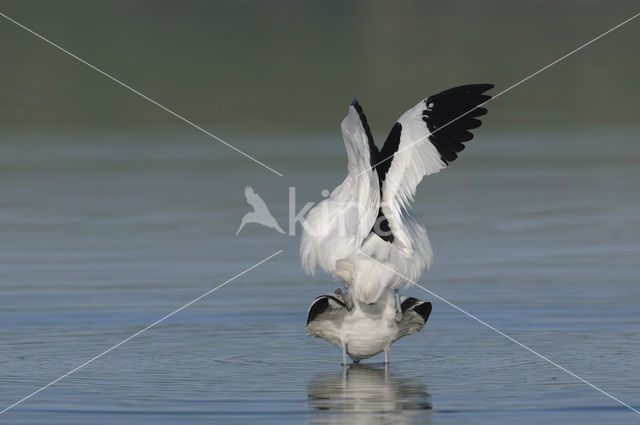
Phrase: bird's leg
(386, 355)
(398, 305)
(344, 354)
(349, 301)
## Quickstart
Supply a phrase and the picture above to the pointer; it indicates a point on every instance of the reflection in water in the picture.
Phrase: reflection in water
(362, 394)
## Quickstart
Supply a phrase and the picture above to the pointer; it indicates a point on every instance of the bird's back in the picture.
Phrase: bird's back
(366, 329)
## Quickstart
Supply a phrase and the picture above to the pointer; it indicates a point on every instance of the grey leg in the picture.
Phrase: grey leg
(349, 303)
(398, 306)
(344, 354)
(386, 355)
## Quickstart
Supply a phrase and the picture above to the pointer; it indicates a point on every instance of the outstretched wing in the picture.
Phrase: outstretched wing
(325, 304)
(423, 141)
(336, 227)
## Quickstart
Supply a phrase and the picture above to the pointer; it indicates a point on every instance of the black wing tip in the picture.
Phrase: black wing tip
(408, 303)
(484, 86)
(477, 88)
(450, 115)
(373, 150)
(469, 91)
(356, 105)
(423, 308)
(320, 305)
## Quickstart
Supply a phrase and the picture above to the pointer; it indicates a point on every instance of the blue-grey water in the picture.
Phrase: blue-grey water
(536, 234)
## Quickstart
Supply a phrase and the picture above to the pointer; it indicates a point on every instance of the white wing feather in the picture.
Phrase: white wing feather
(369, 264)
(336, 227)
(415, 158)
(381, 265)
(432, 134)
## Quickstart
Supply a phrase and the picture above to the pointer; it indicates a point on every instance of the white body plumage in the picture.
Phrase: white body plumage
(365, 329)
(365, 234)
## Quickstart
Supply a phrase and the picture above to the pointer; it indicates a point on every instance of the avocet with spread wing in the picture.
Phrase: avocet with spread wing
(365, 234)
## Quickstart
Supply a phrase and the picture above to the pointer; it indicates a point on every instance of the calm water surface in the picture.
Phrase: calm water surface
(103, 235)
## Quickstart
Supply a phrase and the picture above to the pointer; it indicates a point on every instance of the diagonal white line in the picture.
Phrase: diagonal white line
(503, 334)
(139, 94)
(508, 89)
(139, 332)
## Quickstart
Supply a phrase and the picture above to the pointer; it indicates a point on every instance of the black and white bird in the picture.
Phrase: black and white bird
(364, 329)
(365, 234)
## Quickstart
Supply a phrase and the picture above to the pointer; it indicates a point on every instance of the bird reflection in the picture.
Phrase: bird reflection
(363, 394)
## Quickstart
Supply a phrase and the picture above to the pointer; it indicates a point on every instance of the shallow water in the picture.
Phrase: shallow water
(101, 236)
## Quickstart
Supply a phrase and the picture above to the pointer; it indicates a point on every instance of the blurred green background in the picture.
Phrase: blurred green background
(292, 67)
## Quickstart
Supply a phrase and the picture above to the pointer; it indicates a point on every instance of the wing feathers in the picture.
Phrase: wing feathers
(381, 184)
(328, 304)
(336, 227)
(449, 114)
(445, 120)
(389, 148)
(373, 149)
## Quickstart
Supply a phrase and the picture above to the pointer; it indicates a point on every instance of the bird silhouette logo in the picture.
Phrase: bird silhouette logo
(260, 213)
